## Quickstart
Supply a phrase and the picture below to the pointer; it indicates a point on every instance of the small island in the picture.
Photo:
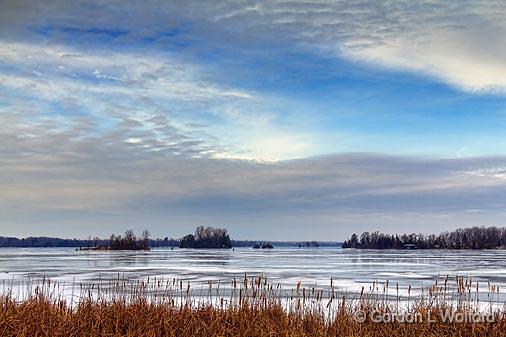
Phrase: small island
(207, 238)
(308, 244)
(264, 245)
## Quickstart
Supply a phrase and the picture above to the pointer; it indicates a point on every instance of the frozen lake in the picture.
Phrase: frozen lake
(349, 269)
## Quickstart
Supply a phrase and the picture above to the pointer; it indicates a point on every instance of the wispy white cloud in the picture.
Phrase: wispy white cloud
(459, 43)
(447, 54)
(59, 71)
(158, 100)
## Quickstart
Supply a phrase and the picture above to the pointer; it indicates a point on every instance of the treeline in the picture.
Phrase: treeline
(207, 237)
(202, 238)
(308, 244)
(462, 238)
(167, 242)
(302, 244)
(36, 242)
(50, 242)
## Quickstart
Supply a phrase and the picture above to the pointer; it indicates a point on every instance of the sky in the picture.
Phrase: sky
(279, 120)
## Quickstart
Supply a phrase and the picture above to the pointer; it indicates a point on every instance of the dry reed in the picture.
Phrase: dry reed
(250, 307)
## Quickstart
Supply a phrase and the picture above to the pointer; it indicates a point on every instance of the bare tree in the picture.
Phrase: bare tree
(145, 239)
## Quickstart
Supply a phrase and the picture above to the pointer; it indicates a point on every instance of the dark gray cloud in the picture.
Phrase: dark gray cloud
(53, 182)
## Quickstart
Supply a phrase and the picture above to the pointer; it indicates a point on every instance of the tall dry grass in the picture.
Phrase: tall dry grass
(247, 307)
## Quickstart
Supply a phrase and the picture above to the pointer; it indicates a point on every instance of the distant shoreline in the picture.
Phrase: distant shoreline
(88, 244)
(473, 238)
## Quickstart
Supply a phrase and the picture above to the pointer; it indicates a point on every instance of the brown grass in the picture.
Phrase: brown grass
(252, 308)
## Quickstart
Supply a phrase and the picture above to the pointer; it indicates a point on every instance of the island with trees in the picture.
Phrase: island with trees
(308, 244)
(207, 237)
(462, 238)
(130, 241)
(263, 245)
(117, 242)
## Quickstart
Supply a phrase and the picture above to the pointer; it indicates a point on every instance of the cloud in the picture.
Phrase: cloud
(459, 43)
(158, 100)
(106, 120)
(59, 181)
(445, 53)
(115, 96)
(53, 72)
